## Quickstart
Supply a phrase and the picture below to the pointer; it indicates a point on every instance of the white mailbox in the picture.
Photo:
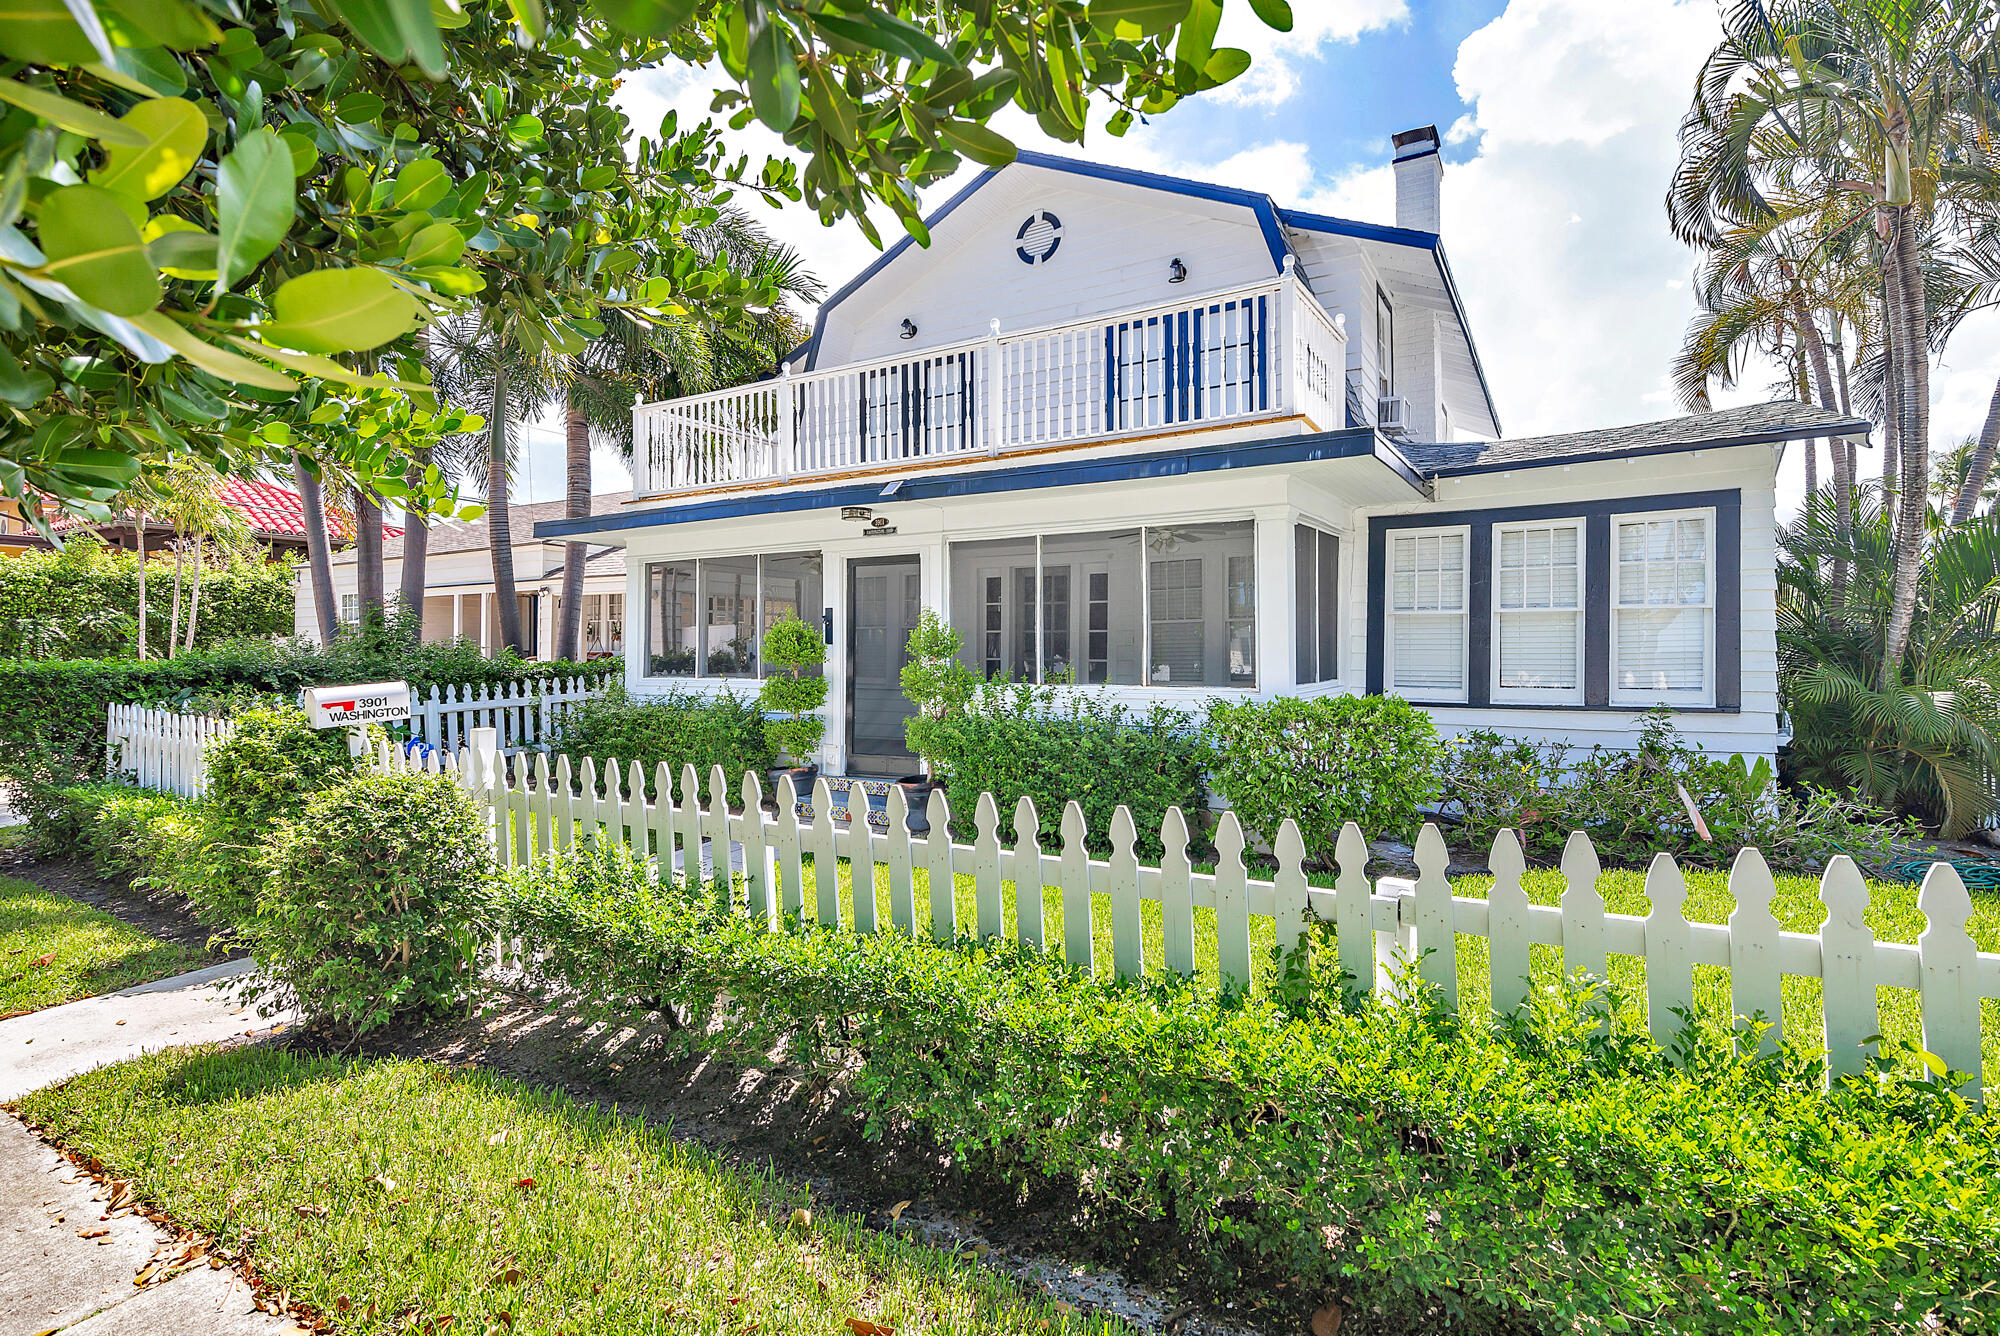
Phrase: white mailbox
(352, 707)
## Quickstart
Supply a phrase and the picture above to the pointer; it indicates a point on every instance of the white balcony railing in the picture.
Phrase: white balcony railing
(1266, 350)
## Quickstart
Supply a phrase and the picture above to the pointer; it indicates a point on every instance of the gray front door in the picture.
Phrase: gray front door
(884, 596)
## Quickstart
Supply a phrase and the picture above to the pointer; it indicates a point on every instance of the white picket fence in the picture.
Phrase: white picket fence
(523, 712)
(162, 749)
(1378, 924)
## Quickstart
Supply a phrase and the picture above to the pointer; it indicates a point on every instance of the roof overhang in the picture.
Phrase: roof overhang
(1357, 462)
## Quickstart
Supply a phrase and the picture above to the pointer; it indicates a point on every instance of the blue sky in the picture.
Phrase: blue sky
(1560, 119)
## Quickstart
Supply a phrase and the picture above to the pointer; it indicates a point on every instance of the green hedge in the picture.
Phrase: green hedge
(1058, 745)
(52, 712)
(123, 831)
(1430, 1176)
(83, 600)
(681, 728)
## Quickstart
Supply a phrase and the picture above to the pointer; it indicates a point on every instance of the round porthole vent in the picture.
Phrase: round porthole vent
(1038, 238)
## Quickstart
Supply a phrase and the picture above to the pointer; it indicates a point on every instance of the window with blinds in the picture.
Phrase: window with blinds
(1663, 609)
(1427, 621)
(1538, 612)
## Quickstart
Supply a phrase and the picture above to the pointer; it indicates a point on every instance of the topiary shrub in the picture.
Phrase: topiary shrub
(680, 728)
(1061, 744)
(379, 900)
(1372, 760)
(793, 647)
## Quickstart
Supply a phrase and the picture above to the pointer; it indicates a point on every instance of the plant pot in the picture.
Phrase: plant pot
(802, 780)
(917, 793)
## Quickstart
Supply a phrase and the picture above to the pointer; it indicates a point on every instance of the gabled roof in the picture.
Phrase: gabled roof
(1272, 222)
(271, 511)
(1752, 424)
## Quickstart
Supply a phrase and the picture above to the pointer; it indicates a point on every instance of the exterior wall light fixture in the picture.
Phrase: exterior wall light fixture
(909, 328)
(1178, 272)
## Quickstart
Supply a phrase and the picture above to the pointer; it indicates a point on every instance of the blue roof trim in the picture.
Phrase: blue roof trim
(1353, 443)
(1260, 204)
(1405, 236)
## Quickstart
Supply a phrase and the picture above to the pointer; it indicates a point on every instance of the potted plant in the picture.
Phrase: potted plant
(790, 648)
(938, 683)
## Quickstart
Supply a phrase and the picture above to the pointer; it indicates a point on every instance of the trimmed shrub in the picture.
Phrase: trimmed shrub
(796, 696)
(379, 901)
(1630, 803)
(1426, 1174)
(1058, 745)
(259, 777)
(681, 728)
(1325, 761)
(123, 831)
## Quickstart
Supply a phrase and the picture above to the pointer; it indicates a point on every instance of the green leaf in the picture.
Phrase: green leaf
(255, 203)
(420, 35)
(1275, 13)
(1197, 42)
(774, 77)
(450, 279)
(832, 107)
(526, 129)
(20, 387)
(646, 18)
(375, 24)
(311, 364)
(421, 184)
(978, 142)
(216, 361)
(175, 132)
(1224, 64)
(44, 32)
(439, 243)
(169, 23)
(359, 109)
(64, 114)
(94, 250)
(534, 20)
(148, 71)
(183, 251)
(1137, 18)
(86, 18)
(339, 310)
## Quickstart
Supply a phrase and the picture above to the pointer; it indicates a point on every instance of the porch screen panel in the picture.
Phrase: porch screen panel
(729, 623)
(1316, 588)
(792, 587)
(673, 623)
(1201, 597)
(1427, 611)
(993, 607)
(1093, 624)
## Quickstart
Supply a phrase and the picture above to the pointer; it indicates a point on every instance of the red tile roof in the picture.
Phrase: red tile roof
(270, 510)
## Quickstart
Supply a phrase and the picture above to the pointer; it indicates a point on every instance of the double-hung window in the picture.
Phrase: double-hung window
(1538, 612)
(1427, 613)
(1663, 609)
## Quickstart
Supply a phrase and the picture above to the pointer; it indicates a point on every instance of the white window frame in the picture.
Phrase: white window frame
(1540, 695)
(1389, 615)
(701, 674)
(1649, 697)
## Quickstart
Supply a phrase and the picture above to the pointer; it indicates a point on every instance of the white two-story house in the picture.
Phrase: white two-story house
(1172, 441)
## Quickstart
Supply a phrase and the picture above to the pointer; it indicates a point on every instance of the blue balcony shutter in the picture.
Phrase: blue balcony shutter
(1263, 367)
(1110, 378)
(1200, 359)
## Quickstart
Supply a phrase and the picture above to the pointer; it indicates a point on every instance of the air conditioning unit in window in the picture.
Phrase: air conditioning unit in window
(1392, 415)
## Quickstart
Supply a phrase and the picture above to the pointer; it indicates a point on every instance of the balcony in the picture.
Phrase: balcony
(1265, 352)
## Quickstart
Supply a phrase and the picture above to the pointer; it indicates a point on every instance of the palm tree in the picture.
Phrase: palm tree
(1955, 490)
(1924, 736)
(666, 359)
(479, 363)
(1843, 116)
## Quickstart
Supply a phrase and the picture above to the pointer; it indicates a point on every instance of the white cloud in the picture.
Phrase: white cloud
(1276, 57)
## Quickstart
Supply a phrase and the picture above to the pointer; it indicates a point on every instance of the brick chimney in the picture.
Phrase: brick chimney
(1419, 179)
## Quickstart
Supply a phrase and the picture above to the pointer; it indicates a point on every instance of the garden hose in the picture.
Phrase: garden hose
(1977, 876)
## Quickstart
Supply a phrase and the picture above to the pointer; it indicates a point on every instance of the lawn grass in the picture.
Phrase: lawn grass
(54, 949)
(419, 1193)
(1892, 913)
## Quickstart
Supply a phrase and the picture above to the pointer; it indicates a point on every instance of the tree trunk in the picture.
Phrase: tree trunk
(1840, 372)
(1982, 462)
(319, 550)
(174, 617)
(368, 580)
(1914, 388)
(194, 595)
(576, 505)
(500, 533)
(416, 544)
(139, 537)
(1843, 481)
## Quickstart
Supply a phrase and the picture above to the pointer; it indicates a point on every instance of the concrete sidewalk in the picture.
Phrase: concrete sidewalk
(52, 1277)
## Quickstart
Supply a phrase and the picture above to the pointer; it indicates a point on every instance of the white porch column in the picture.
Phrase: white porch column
(457, 616)
(1277, 668)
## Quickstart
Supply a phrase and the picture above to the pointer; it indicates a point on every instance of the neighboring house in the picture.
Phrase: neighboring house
(1171, 439)
(16, 534)
(273, 516)
(459, 597)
